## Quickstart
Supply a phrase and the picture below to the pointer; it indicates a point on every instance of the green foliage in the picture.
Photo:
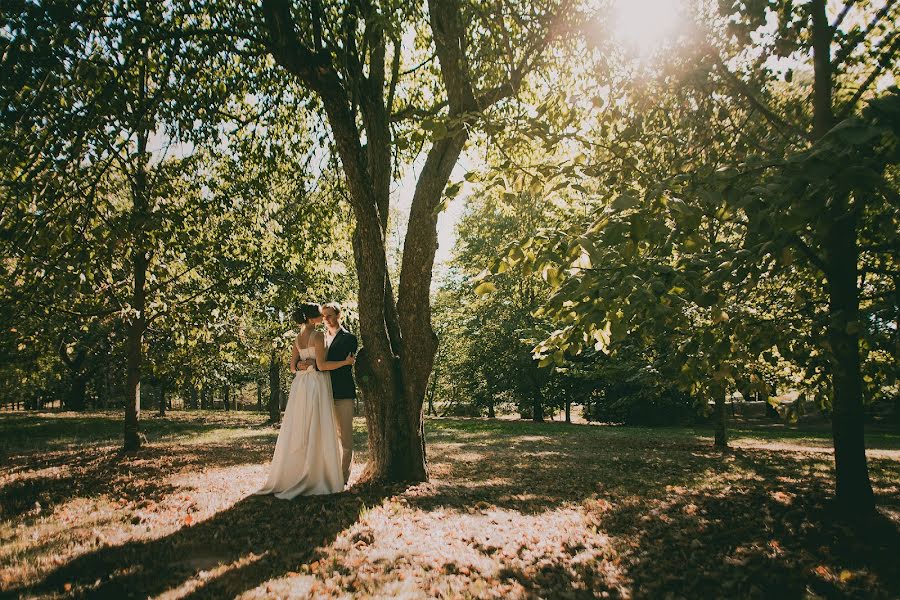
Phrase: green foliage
(701, 246)
(237, 227)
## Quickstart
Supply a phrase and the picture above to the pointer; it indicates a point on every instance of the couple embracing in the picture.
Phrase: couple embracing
(315, 443)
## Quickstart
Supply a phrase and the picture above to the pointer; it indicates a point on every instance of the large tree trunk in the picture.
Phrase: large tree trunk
(74, 398)
(138, 321)
(75, 395)
(537, 406)
(853, 488)
(839, 239)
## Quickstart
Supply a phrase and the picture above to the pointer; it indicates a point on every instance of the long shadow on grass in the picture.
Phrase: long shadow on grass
(95, 471)
(773, 533)
(256, 539)
(546, 467)
(688, 520)
(24, 434)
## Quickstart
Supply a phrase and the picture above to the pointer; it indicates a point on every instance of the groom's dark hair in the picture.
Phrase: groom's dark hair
(306, 311)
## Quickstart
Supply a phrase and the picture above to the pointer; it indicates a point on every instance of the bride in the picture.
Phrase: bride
(307, 458)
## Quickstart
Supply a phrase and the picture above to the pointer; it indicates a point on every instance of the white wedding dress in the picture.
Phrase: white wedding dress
(307, 458)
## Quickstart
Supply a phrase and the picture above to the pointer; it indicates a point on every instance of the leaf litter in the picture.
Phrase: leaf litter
(513, 510)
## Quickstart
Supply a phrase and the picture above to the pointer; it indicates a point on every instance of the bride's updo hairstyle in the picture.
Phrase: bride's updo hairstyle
(306, 311)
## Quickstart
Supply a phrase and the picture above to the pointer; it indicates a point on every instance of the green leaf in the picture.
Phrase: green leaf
(625, 201)
(485, 287)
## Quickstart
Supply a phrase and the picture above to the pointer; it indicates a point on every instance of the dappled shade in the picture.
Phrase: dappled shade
(513, 509)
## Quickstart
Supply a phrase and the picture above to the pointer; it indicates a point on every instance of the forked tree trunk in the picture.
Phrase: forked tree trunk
(399, 344)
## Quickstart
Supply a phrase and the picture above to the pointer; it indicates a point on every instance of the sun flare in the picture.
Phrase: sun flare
(646, 25)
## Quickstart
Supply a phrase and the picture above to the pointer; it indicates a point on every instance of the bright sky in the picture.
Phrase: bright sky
(643, 25)
(635, 31)
(402, 199)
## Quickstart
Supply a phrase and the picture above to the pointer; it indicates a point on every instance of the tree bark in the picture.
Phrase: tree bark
(537, 406)
(853, 489)
(226, 399)
(720, 420)
(74, 398)
(274, 388)
(162, 398)
(138, 321)
(568, 410)
(134, 357)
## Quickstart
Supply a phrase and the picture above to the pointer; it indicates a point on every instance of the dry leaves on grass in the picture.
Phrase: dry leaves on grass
(513, 510)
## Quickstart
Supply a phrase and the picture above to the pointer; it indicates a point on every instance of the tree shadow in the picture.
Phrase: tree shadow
(59, 430)
(538, 473)
(256, 539)
(744, 523)
(95, 471)
(773, 534)
(684, 520)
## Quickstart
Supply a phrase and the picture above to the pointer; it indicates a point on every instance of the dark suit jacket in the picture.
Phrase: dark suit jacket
(342, 383)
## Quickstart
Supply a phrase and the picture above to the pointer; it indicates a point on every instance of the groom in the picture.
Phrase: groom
(339, 343)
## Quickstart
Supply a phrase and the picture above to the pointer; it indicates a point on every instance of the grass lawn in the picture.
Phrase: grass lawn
(513, 510)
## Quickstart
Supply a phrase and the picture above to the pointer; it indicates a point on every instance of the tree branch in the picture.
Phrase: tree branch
(883, 62)
(854, 40)
(395, 75)
(814, 258)
(786, 129)
(843, 14)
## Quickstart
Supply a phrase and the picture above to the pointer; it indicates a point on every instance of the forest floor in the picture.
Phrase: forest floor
(513, 510)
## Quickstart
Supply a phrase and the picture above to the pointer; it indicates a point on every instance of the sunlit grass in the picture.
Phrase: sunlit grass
(514, 509)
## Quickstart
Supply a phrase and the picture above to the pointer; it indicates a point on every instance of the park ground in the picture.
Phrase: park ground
(513, 510)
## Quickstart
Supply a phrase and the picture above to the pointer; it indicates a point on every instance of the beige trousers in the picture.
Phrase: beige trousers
(344, 411)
